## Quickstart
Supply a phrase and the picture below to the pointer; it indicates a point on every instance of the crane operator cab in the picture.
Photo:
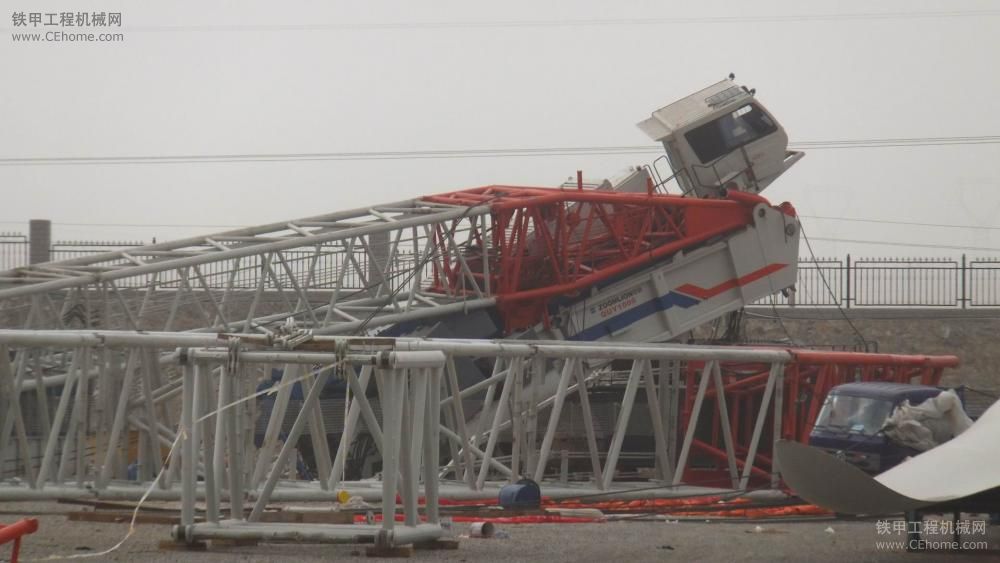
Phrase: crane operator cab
(720, 138)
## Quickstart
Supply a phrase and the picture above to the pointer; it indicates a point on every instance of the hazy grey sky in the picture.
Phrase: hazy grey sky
(199, 78)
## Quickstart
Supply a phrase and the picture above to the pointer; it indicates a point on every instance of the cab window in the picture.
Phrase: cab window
(729, 132)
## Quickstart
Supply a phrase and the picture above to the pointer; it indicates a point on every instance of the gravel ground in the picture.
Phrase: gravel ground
(610, 541)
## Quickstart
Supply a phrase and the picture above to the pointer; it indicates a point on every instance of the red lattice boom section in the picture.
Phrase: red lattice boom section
(545, 242)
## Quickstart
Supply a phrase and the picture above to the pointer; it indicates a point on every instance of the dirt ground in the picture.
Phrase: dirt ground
(610, 541)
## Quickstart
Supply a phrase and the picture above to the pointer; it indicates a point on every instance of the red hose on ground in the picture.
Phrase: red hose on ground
(715, 506)
(526, 519)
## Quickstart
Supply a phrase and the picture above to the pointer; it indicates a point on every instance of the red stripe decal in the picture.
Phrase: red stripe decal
(703, 293)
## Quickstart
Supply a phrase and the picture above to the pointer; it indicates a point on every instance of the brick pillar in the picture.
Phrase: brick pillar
(40, 237)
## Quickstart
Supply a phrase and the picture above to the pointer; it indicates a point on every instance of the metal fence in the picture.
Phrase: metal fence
(895, 282)
(13, 250)
(69, 249)
(823, 282)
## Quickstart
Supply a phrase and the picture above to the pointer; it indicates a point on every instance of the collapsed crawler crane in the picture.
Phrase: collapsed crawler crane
(646, 258)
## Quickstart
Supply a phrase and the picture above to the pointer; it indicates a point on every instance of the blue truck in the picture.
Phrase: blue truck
(850, 423)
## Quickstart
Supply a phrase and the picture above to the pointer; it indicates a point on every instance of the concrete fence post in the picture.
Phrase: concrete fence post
(40, 241)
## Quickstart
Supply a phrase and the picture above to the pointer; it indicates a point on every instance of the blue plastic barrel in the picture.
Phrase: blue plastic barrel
(523, 494)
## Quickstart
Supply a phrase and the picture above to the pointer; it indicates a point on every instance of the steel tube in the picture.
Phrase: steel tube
(621, 425)
(350, 422)
(466, 347)
(479, 453)
(119, 421)
(415, 534)
(56, 427)
(409, 454)
(560, 396)
(706, 373)
(202, 402)
(311, 533)
(497, 417)
(233, 442)
(392, 411)
(221, 432)
(289, 446)
(188, 475)
(350, 327)
(431, 423)
(759, 424)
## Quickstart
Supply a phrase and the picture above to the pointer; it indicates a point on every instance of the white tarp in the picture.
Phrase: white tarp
(961, 467)
(929, 424)
(965, 465)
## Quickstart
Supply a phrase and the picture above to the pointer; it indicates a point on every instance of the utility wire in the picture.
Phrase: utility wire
(929, 317)
(833, 296)
(469, 153)
(908, 223)
(824, 239)
(909, 244)
(822, 217)
(579, 22)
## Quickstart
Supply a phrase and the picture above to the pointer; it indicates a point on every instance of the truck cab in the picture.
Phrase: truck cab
(850, 423)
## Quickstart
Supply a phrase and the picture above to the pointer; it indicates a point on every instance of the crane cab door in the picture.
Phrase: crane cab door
(733, 150)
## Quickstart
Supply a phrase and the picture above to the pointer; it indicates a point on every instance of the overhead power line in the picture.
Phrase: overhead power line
(578, 22)
(470, 153)
(134, 225)
(824, 239)
(821, 217)
(907, 223)
(907, 244)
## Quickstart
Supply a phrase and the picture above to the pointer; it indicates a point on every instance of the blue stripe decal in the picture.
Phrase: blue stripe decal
(635, 314)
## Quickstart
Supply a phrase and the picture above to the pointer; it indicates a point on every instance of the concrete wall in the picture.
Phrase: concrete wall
(972, 335)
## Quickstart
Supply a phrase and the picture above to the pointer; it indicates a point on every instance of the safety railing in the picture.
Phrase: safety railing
(957, 283)
(13, 250)
(69, 249)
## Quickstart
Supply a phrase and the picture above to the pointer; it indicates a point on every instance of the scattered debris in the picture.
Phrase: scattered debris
(482, 530)
(578, 512)
(354, 502)
(763, 530)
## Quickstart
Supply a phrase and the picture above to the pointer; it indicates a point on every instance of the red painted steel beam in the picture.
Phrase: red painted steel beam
(555, 242)
(721, 455)
(9, 532)
(507, 197)
(612, 271)
(808, 379)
